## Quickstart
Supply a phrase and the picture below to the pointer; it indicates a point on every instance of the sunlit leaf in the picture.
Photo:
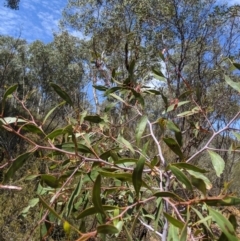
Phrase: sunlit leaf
(234, 85)
(225, 226)
(141, 128)
(218, 162)
(158, 72)
(181, 176)
(125, 143)
(197, 174)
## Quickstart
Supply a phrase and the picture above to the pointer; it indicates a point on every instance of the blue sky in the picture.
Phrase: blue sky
(35, 19)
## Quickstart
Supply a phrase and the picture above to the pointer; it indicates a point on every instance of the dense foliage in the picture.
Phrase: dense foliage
(154, 155)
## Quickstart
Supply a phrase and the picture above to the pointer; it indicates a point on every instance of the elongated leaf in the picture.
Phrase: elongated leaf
(17, 164)
(44, 203)
(173, 145)
(141, 128)
(234, 85)
(107, 229)
(168, 194)
(62, 93)
(158, 72)
(201, 176)
(183, 235)
(113, 89)
(173, 233)
(52, 110)
(33, 129)
(237, 135)
(200, 216)
(177, 223)
(92, 210)
(188, 166)
(172, 126)
(125, 143)
(137, 176)
(181, 176)
(100, 87)
(124, 176)
(9, 91)
(96, 195)
(73, 197)
(11, 120)
(138, 97)
(199, 184)
(50, 180)
(218, 162)
(225, 226)
(93, 118)
(117, 97)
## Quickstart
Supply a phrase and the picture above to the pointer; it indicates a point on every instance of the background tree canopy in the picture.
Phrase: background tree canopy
(130, 133)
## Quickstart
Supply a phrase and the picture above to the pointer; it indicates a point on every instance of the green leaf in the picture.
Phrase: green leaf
(44, 203)
(16, 164)
(113, 89)
(177, 223)
(124, 176)
(183, 235)
(93, 118)
(96, 195)
(201, 218)
(141, 128)
(92, 210)
(181, 176)
(199, 184)
(100, 87)
(169, 195)
(33, 202)
(117, 97)
(9, 91)
(33, 129)
(107, 229)
(173, 233)
(173, 145)
(50, 180)
(62, 93)
(125, 143)
(73, 197)
(237, 135)
(218, 162)
(186, 113)
(137, 176)
(233, 84)
(200, 176)
(158, 72)
(237, 65)
(172, 126)
(225, 226)
(52, 110)
(188, 166)
(67, 228)
(139, 97)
